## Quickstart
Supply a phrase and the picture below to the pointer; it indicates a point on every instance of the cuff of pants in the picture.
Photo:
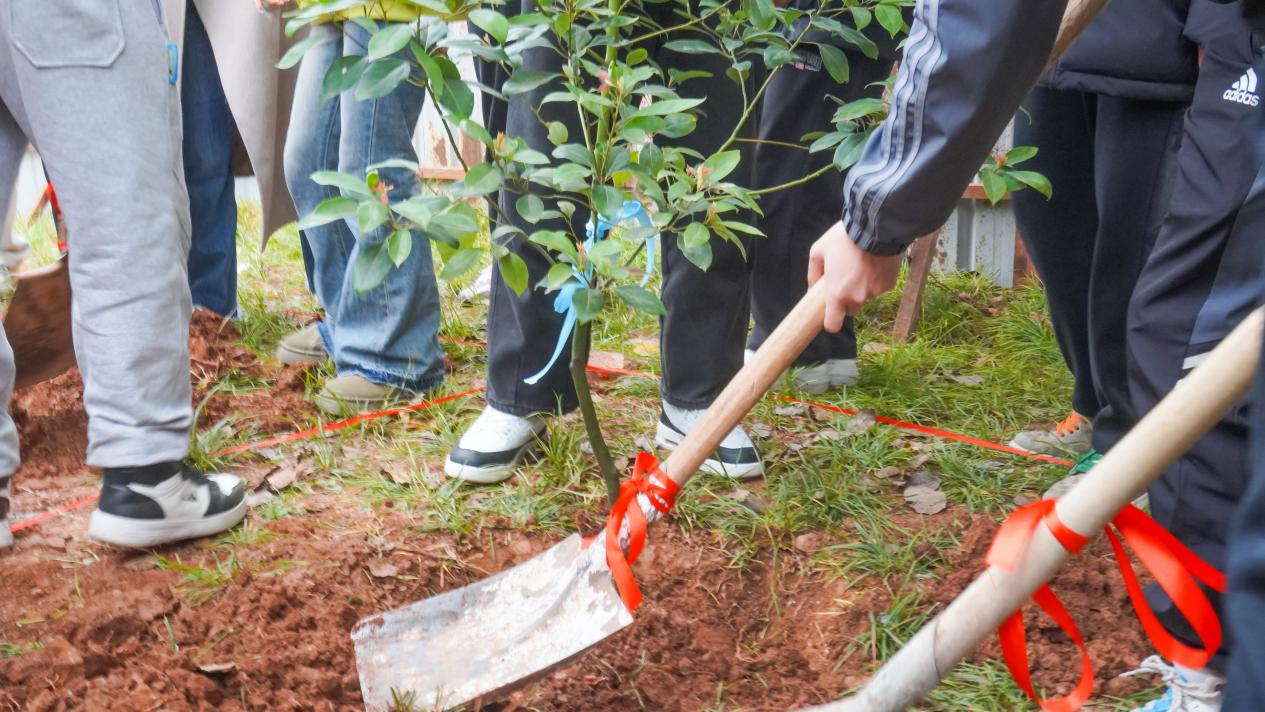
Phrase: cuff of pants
(139, 450)
(418, 385)
(561, 406)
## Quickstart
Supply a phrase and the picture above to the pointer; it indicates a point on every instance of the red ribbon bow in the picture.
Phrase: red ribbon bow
(648, 479)
(1174, 567)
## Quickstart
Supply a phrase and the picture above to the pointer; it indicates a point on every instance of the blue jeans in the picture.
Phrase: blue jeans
(389, 334)
(208, 172)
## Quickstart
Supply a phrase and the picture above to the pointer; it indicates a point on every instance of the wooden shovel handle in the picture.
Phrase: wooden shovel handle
(777, 353)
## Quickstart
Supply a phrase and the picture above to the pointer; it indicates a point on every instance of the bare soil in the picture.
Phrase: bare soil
(103, 629)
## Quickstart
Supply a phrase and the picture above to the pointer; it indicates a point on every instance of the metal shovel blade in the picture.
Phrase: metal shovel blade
(480, 642)
(37, 324)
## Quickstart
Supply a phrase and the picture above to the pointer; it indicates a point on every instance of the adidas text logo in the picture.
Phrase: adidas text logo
(1244, 90)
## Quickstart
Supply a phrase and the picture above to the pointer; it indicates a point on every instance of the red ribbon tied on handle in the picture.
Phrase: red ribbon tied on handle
(1174, 567)
(648, 479)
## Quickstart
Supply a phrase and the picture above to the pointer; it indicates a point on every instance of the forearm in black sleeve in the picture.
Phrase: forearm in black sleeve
(966, 67)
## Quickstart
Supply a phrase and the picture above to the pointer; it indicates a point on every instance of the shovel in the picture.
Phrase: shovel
(1169, 430)
(37, 324)
(479, 642)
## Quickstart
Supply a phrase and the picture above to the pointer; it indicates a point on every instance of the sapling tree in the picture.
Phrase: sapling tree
(610, 186)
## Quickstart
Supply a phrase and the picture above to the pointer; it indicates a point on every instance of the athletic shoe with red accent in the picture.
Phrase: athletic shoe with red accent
(1071, 438)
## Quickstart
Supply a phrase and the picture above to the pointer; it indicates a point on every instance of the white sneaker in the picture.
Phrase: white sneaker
(736, 457)
(822, 377)
(494, 445)
(1189, 690)
(6, 536)
(158, 504)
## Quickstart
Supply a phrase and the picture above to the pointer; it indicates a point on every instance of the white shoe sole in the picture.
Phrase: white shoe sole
(491, 474)
(668, 439)
(145, 533)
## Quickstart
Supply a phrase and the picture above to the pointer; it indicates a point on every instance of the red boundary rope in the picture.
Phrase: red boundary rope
(600, 370)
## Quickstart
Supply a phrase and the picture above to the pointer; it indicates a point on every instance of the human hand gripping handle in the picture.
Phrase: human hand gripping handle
(852, 275)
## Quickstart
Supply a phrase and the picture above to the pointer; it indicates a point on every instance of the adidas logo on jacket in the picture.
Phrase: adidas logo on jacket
(1244, 90)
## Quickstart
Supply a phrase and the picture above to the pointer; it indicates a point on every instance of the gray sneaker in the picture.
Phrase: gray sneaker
(302, 348)
(1073, 437)
(355, 394)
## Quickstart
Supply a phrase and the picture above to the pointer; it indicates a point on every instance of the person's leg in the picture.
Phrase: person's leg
(388, 334)
(88, 82)
(12, 145)
(312, 145)
(1059, 234)
(1203, 276)
(795, 104)
(208, 171)
(1135, 163)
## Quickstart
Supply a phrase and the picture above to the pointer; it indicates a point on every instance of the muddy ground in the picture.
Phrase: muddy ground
(89, 627)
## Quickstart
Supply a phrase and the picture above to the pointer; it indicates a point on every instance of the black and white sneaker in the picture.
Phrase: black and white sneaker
(494, 445)
(6, 536)
(736, 457)
(147, 506)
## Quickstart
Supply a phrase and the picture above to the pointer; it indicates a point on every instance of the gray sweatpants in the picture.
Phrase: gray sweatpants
(86, 82)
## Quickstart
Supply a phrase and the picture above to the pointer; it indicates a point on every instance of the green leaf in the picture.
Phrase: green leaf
(524, 80)
(1019, 154)
(849, 151)
(557, 133)
(389, 41)
(858, 109)
(588, 304)
(434, 74)
(1035, 181)
(761, 12)
(692, 47)
(514, 272)
(370, 215)
(720, 165)
(482, 178)
(329, 210)
(557, 277)
(399, 245)
(608, 200)
(700, 255)
(994, 185)
(530, 207)
(343, 73)
(343, 181)
(829, 140)
(575, 153)
(669, 106)
(416, 211)
(371, 267)
(555, 240)
(641, 299)
(491, 22)
(861, 17)
(637, 56)
(296, 51)
(695, 234)
(457, 98)
(835, 61)
(381, 78)
(462, 261)
(890, 18)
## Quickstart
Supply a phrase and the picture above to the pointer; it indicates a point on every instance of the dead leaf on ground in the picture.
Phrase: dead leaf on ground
(749, 499)
(810, 542)
(1024, 498)
(859, 423)
(381, 568)
(791, 410)
(258, 497)
(760, 430)
(875, 347)
(287, 474)
(925, 501)
(888, 473)
(922, 478)
(967, 380)
(217, 668)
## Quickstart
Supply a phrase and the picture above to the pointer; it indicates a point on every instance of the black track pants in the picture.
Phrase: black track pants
(1111, 162)
(795, 104)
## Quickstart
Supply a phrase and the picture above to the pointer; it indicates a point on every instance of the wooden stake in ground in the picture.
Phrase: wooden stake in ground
(1194, 406)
